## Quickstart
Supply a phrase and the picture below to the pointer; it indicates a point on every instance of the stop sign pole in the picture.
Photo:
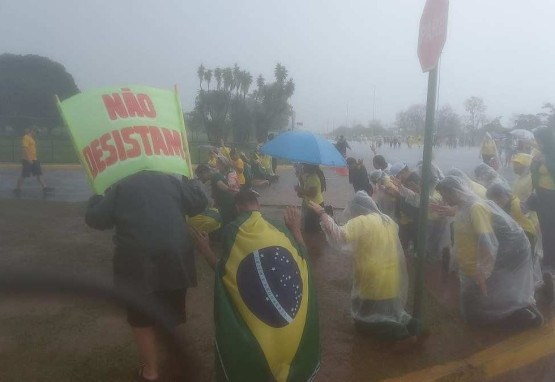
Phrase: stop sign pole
(433, 33)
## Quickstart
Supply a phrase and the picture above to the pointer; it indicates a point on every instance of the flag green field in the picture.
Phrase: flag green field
(266, 317)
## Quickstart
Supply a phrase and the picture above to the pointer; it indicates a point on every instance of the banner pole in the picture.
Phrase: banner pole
(66, 125)
(424, 194)
(185, 138)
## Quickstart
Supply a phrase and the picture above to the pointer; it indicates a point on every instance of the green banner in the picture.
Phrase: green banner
(120, 131)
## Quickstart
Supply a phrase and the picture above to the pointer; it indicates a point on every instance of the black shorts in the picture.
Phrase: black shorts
(173, 301)
(30, 168)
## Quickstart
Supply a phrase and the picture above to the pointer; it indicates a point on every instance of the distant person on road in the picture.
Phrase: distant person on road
(342, 145)
(154, 257)
(494, 259)
(30, 163)
(271, 136)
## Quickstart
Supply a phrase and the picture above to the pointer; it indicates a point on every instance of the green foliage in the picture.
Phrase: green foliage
(476, 113)
(231, 110)
(549, 115)
(412, 120)
(448, 122)
(28, 85)
(494, 126)
(527, 121)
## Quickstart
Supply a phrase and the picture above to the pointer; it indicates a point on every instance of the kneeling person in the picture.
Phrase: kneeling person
(379, 288)
(265, 310)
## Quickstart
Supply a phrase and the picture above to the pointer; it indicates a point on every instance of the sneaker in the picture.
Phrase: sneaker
(529, 317)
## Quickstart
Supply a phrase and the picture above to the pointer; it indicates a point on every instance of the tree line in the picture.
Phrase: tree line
(448, 123)
(231, 105)
(231, 110)
(472, 123)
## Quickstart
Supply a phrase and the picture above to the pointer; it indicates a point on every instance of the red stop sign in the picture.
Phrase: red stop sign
(433, 32)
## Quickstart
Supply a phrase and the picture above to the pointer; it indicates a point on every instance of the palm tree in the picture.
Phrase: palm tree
(260, 82)
(246, 83)
(281, 73)
(208, 77)
(260, 86)
(200, 73)
(289, 88)
(236, 77)
(227, 75)
(218, 76)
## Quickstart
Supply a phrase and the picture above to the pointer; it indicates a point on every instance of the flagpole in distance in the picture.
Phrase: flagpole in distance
(432, 37)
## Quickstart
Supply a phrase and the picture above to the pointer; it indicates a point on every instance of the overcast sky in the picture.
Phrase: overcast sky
(337, 52)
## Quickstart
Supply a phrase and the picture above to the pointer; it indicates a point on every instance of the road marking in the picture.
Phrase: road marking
(511, 354)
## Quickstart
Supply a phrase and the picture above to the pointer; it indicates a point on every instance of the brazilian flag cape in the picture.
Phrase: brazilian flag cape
(266, 317)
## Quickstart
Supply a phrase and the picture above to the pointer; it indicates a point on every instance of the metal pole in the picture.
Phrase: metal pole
(425, 193)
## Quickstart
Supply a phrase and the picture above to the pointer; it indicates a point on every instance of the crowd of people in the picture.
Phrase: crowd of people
(497, 237)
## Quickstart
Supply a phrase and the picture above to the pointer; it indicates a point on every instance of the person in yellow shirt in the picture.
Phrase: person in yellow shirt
(239, 166)
(30, 163)
(494, 260)
(213, 158)
(385, 193)
(502, 195)
(379, 288)
(543, 200)
(488, 150)
(224, 150)
(522, 186)
(311, 188)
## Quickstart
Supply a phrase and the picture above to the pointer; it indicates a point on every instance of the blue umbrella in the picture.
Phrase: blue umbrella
(304, 147)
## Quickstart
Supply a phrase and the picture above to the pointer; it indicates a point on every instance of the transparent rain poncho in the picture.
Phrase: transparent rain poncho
(477, 188)
(379, 290)
(527, 223)
(438, 235)
(386, 202)
(486, 175)
(493, 257)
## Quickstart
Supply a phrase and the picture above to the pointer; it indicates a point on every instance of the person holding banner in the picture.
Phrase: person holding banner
(154, 256)
(265, 308)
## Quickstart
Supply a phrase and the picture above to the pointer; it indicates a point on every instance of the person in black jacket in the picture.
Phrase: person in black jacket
(153, 256)
(358, 176)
